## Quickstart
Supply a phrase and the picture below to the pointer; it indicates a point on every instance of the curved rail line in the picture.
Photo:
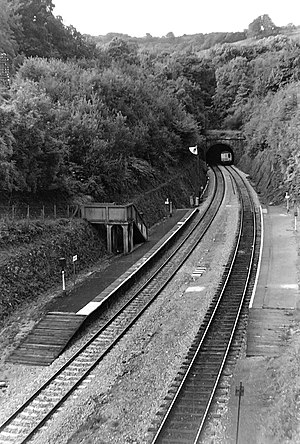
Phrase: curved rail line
(190, 397)
(32, 415)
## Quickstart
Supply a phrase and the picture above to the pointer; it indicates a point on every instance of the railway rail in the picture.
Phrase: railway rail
(30, 417)
(188, 402)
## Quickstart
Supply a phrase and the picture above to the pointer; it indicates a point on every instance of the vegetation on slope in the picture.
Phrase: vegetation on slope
(101, 130)
(258, 92)
(113, 116)
(29, 268)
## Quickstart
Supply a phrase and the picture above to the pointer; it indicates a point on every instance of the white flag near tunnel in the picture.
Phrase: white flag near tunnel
(193, 149)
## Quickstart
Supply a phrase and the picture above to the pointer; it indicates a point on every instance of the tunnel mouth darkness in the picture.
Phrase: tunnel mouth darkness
(213, 155)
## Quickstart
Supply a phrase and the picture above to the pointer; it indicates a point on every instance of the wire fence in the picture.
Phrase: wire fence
(41, 212)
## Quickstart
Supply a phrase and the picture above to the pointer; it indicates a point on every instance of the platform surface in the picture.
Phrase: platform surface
(277, 297)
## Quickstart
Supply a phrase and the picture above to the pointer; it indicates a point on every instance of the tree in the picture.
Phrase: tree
(170, 35)
(8, 172)
(8, 24)
(35, 39)
(121, 51)
(41, 34)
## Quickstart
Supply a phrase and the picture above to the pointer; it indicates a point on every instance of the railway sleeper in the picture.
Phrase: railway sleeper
(199, 384)
(217, 350)
(178, 425)
(187, 418)
(174, 434)
(206, 361)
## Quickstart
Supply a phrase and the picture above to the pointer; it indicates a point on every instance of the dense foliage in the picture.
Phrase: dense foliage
(85, 128)
(29, 28)
(258, 92)
(113, 115)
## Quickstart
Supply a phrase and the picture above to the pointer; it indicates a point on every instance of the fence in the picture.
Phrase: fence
(33, 212)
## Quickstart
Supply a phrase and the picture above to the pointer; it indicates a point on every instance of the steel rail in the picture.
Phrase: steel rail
(26, 436)
(193, 391)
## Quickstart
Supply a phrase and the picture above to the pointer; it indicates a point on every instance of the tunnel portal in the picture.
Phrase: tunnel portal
(220, 154)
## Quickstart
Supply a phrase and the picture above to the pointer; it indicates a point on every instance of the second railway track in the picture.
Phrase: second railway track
(34, 413)
(189, 400)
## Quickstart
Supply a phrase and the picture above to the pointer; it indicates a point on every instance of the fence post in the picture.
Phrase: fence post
(13, 212)
(28, 212)
(43, 212)
(54, 211)
(68, 211)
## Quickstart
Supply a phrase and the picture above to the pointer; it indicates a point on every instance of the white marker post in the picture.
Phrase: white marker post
(62, 262)
(295, 215)
(167, 205)
(74, 268)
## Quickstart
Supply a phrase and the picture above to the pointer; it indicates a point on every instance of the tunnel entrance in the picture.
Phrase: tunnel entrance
(220, 154)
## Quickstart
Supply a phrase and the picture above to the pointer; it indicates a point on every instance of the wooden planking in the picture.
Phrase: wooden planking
(268, 331)
(47, 339)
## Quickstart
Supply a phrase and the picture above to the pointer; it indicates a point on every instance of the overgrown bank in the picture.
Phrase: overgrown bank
(257, 92)
(32, 267)
(30, 251)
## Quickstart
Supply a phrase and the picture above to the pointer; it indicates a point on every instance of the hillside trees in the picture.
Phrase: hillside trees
(258, 90)
(91, 130)
(29, 28)
(9, 25)
(247, 75)
(193, 82)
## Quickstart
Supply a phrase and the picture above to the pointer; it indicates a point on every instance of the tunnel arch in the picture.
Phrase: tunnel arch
(213, 154)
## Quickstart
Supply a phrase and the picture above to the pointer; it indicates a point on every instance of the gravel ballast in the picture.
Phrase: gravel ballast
(121, 397)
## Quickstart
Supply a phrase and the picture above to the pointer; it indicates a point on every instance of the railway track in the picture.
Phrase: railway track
(188, 402)
(30, 417)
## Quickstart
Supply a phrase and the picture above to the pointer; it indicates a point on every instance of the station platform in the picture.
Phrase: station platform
(66, 314)
(88, 291)
(276, 300)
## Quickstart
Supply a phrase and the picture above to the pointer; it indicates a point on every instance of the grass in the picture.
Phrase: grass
(282, 421)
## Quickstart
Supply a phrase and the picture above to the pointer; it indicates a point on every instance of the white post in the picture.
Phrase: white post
(62, 262)
(63, 280)
(287, 197)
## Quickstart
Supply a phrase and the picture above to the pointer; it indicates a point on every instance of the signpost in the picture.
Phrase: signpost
(74, 259)
(194, 150)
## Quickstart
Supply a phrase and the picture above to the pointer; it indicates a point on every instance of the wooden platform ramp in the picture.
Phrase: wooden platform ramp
(268, 330)
(48, 339)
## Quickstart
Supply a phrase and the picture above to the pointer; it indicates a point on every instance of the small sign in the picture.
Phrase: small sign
(193, 149)
(287, 195)
(75, 258)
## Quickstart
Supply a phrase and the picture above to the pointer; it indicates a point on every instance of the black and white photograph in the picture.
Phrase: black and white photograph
(149, 222)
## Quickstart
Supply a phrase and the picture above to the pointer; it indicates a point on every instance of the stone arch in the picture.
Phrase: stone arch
(233, 141)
